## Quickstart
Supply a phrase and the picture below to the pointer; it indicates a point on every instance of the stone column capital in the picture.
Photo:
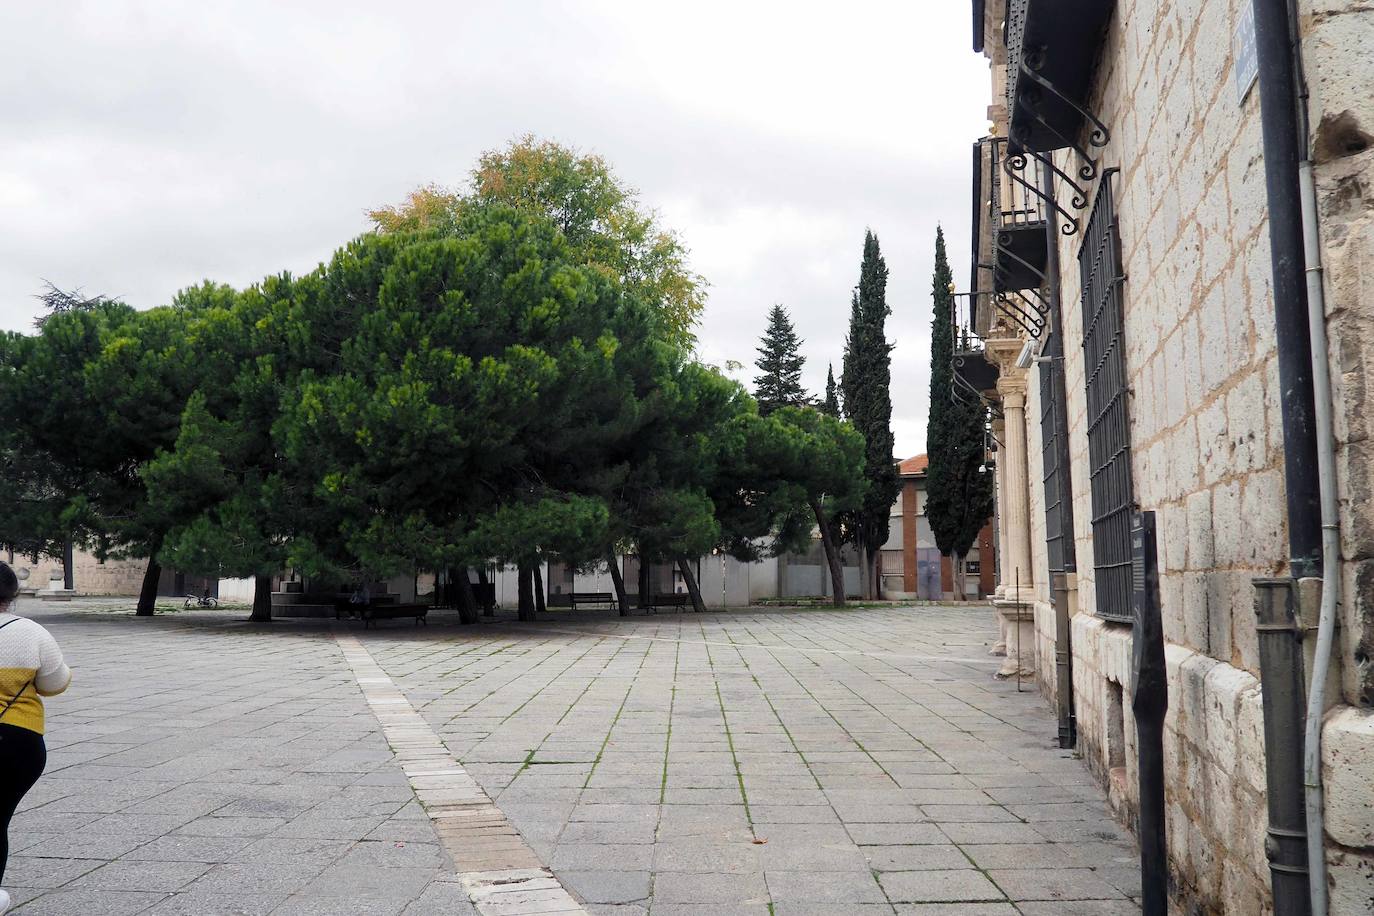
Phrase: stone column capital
(1013, 397)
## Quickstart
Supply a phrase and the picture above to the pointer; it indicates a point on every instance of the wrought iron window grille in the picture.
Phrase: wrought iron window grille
(1058, 512)
(1109, 432)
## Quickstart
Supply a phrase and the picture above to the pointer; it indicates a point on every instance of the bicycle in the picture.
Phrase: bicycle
(205, 600)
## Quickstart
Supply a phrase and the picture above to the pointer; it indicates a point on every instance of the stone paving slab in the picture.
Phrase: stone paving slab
(807, 761)
(202, 765)
(770, 761)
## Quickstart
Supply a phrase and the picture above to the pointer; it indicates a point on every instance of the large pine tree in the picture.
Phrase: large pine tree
(958, 495)
(780, 365)
(865, 382)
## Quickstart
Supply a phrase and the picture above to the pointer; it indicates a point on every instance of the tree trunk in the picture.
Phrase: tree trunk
(539, 602)
(692, 587)
(525, 576)
(878, 575)
(68, 573)
(488, 608)
(467, 604)
(865, 572)
(262, 599)
(961, 577)
(618, 581)
(147, 594)
(832, 554)
(644, 587)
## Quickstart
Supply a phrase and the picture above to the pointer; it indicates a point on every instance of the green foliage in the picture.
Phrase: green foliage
(101, 388)
(499, 375)
(831, 404)
(491, 363)
(958, 497)
(778, 383)
(866, 379)
(228, 505)
(600, 217)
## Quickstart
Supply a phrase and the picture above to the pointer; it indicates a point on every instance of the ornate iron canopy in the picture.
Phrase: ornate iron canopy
(1052, 48)
(975, 370)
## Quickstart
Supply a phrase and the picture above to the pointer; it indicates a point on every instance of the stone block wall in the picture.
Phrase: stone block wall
(1199, 345)
(1206, 431)
(91, 576)
(1215, 812)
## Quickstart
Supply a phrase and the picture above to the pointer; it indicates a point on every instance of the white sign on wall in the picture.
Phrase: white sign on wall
(1243, 52)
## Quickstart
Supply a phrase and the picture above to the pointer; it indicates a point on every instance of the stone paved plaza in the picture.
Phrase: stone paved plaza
(764, 761)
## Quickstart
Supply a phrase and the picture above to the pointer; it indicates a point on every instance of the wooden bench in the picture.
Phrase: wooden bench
(603, 599)
(373, 613)
(668, 599)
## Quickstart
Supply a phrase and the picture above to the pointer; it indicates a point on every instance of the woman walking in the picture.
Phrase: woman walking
(31, 667)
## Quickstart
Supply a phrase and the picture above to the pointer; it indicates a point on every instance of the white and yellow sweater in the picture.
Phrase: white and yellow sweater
(31, 667)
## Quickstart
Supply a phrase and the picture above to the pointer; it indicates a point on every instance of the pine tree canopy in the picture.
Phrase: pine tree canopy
(780, 365)
(959, 496)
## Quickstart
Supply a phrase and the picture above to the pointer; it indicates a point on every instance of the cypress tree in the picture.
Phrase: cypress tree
(849, 367)
(780, 365)
(865, 381)
(958, 495)
(831, 405)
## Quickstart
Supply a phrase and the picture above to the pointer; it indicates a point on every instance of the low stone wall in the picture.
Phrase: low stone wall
(121, 578)
(1213, 757)
(1347, 749)
(1044, 651)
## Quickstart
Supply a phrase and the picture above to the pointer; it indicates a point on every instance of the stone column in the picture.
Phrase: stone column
(1018, 580)
(999, 434)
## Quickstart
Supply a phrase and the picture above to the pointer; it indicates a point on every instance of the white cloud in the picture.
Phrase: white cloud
(145, 146)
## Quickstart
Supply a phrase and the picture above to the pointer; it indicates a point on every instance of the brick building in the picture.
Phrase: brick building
(912, 565)
(1129, 276)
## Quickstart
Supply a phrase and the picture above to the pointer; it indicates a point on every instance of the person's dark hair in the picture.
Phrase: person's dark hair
(9, 584)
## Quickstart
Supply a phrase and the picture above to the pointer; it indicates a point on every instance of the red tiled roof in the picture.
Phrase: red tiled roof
(914, 465)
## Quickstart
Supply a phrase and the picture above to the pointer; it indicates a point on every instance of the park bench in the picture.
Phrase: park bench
(602, 599)
(668, 599)
(483, 593)
(372, 613)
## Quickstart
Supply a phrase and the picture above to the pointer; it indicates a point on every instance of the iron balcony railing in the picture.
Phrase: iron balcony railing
(1010, 239)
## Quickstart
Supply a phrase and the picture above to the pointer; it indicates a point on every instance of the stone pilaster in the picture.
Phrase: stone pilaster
(999, 435)
(1017, 579)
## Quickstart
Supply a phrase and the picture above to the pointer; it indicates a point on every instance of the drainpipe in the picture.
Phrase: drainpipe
(1300, 319)
(1279, 122)
(1326, 475)
(1053, 350)
(1280, 652)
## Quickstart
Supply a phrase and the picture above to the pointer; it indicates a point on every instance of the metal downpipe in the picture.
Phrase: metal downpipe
(1280, 653)
(1308, 472)
(1278, 115)
(1331, 546)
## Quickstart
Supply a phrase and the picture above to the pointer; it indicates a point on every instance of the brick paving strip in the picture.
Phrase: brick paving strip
(500, 873)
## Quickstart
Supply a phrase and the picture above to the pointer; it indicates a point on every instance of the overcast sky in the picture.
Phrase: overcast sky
(147, 146)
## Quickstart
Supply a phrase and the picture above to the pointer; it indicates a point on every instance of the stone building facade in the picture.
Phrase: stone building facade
(1164, 171)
